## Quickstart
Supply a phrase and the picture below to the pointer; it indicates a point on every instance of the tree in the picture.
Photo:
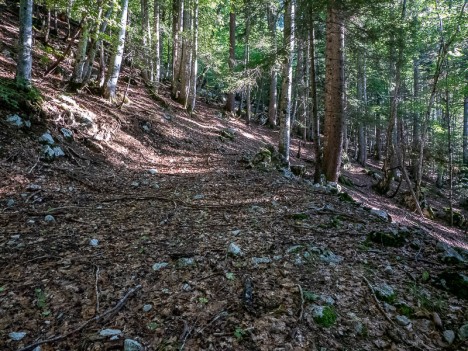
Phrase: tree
(24, 64)
(334, 82)
(286, 86)
(232, 55)
(116, 60)
(465, 131)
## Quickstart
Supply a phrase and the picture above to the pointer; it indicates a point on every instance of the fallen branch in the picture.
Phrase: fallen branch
(377, 302)
(108, 313)
(302, 302)
(96, 287)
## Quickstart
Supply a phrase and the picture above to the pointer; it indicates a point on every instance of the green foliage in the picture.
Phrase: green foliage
(41, 301)
(327, 318)
(239, 333)
(14, 96)
(309, 296)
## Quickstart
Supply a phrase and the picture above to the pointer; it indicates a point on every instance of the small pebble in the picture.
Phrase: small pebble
(49, 219)
(147, 308)
(94, 242)
(17, 336)
(449, 336)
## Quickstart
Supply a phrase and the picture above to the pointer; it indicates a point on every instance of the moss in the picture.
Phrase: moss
(345, 197)
(300, 216)
(325, 316)
(16, 97)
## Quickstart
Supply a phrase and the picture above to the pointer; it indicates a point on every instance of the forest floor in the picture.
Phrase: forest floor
(221, 257)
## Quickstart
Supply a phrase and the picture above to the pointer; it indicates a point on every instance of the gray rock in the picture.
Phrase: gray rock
(27, 123)
(403, 320)
(135, 184)
(49, 219)
(160, 265)
(94, 242)
(287, 173)
(388, 269)
(33, 187)
(185, 262)
(17, 336)
(153, 171)
(330, 257)
(390, 237)
(385, 292)
(155, 185)
(15, 121)
(50, 153)
(145, 182)
(147, 308)
(449, 336)
(463, 332)
(327, 300)
(235, 250)
(199, 197)
(186, 287)
(110, 332)
(132, 345)
(295, 248)
(235, 232)
(10, 203)
(260, 260)
(47, 138)
(67, 133)
(37, 348)
(449, 254)
(380, 214)
(333, 188)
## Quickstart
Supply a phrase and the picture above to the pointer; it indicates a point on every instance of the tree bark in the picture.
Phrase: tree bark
(79, 69)
(272, 106)
(232, 56)
(116, 60)
(194, 69)
(248, 101)
(334, 92)
(362, 97)
(24, 62)
(177, 20)
(465, 131)
(157, 43)
(184, 71)
(286, 86)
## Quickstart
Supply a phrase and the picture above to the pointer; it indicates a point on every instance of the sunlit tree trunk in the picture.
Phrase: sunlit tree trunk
(272, 107)
(157, 43)
(24, 62)
(334, 81)
(194, 69)
(286, 86)
(79, 69)
(185, 66)
(465, 131)
(116, 60)
(248, 101)
(232, 55)
(362, 96)
(177, 21)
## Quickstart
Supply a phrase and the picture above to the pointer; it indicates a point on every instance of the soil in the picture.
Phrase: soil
(114, 219)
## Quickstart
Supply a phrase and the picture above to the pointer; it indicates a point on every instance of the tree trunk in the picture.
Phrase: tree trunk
(465, 131)
(286, 86)
(79, 69)
(177, 20)
(47, 25)
(147, 71)
(416, 127)
(157, 43)
(184, 71)
(24, 62)
(362, 97)
(194, 69)
(116, 61)
(334, 81)
(248, 101)
(272, 106)
(232, 56)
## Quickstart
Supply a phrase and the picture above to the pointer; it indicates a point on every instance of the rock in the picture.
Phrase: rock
(185, 262)
(287, 173)
(259, 260)
(15, 121)
(388, 269)
(135, 184)
(49, 219)
(381, 214)
(385, 292)
(463, 332)
(199, 197)
(235, 250)
(330, 257)
(295, 248)
(159, 265)
(437, 321)
(132, 345)
(147, 308)
(333, 188)
(153, 171)
(94, 242)
(67, 133)
(50, 153)
(449, 254)
(155, 185)
(33, 187)
(17, 336)
(454, 282)
(186, 287)
(47, 138)
(403, 320)
(228, 133)
(235, 232)
(10, 203)
(327, 300)
(449, 336)
(110, 332)
(298, 170)
(391, 237)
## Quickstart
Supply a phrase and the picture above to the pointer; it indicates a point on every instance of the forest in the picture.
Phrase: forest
(234, 175)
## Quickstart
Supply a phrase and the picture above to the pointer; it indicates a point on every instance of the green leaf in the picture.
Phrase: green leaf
(230, 276)
(239, 333)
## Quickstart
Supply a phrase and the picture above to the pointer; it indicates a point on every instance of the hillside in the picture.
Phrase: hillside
(217, 248)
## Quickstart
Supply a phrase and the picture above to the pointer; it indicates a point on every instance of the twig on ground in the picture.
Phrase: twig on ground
(106, 314)
(302, 302)
(377, 301)
(34, 166)
(97, 290)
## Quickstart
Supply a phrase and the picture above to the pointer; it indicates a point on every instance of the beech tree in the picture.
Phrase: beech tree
(24, 62)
